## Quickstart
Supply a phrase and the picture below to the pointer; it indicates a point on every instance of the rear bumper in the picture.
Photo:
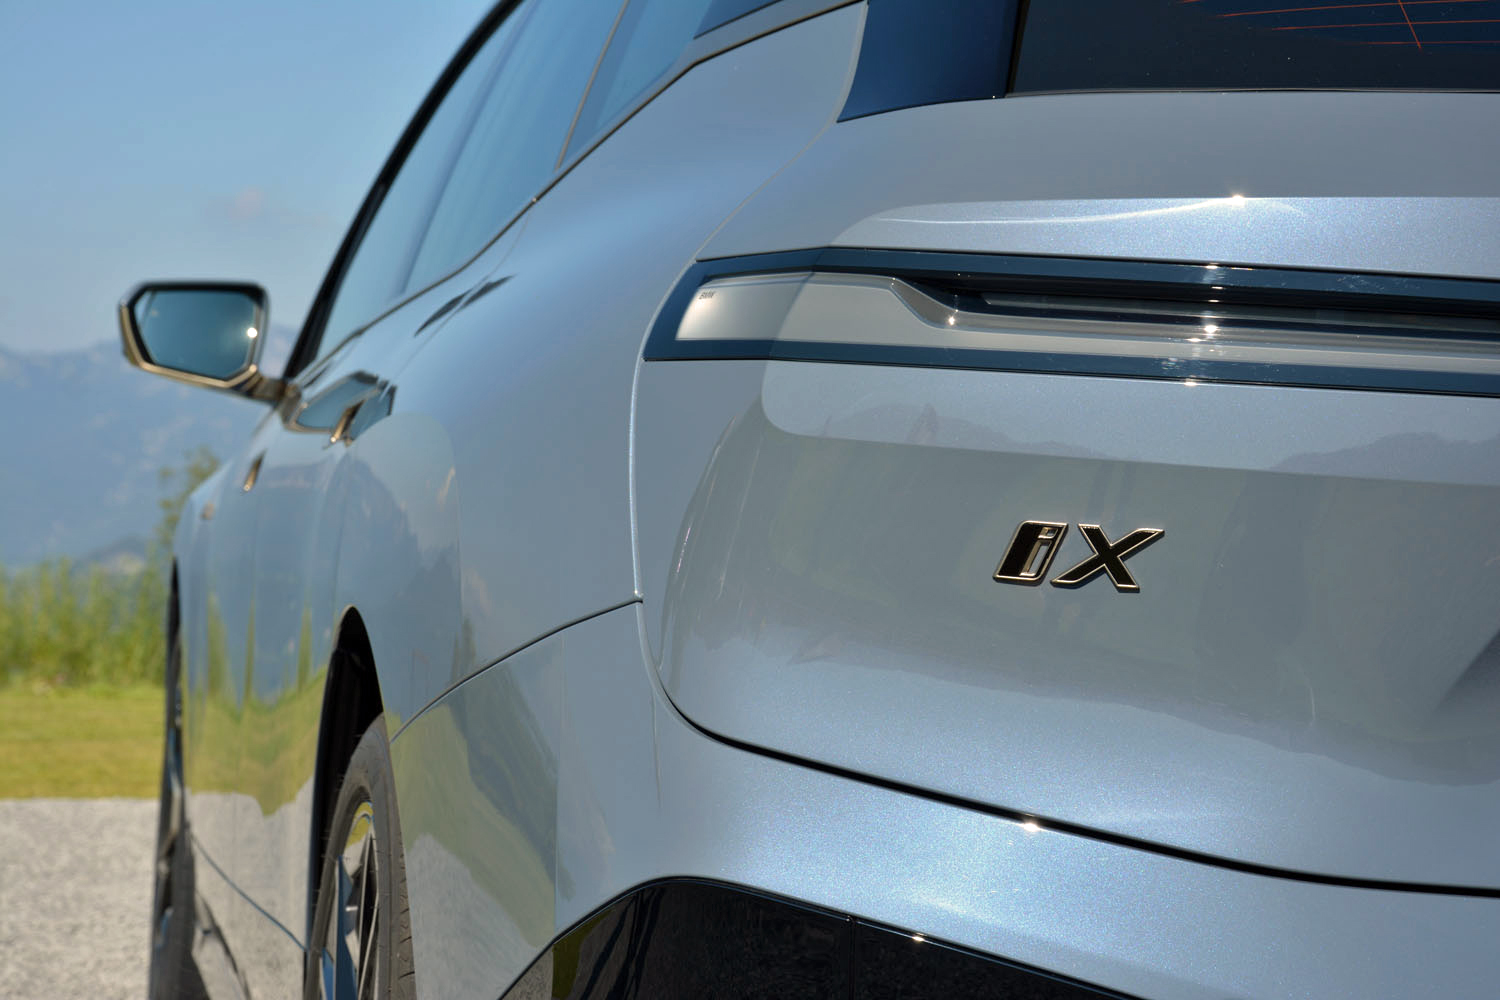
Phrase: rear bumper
(642, 796)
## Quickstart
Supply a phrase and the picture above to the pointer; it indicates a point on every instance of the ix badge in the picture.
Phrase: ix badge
(1035, 543)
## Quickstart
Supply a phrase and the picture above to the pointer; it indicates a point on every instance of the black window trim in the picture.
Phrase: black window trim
(741, 31)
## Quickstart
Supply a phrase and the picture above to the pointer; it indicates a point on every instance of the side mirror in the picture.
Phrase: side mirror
(202, 333)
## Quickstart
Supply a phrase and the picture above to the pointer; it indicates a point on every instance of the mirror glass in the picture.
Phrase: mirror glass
(211, 332)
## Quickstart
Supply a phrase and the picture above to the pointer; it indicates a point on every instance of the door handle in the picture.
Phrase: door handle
(253, 473)
(341, 427)
(364, 413)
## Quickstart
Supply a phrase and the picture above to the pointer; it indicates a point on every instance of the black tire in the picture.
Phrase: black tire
(363, 862)
(173, 974)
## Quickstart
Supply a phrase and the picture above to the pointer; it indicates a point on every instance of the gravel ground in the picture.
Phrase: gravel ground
(75, 897)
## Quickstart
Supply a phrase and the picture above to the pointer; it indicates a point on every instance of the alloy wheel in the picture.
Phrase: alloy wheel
(350, 963)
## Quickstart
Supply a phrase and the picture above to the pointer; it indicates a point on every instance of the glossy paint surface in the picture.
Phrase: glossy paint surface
(642, 795)
(532, 386)
(259, 560)
(239, 950)
(1313, 639)
(1313, 643)
(1361, 182)
(480, 823)
(309, 489)
(399, 559)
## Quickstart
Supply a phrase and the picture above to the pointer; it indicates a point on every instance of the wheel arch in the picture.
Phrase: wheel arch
(351, 701)
(174, 611)
(172, 670)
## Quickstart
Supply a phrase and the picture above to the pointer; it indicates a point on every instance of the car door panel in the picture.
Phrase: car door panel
(226, 655)
(533, 386)
(306, 489)
(298, 499)
(218, 635)
(398, 541)
(210, 745)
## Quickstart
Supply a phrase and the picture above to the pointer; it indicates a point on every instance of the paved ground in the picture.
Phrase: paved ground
(75, 897)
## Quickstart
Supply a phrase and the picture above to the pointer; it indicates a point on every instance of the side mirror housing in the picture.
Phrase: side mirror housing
(204, 333)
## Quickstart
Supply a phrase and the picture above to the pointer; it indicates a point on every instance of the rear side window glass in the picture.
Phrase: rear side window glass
(1258, 45)
(650, 37)
(931, 53)
(376, 274)
(519, 131)
(720, 12)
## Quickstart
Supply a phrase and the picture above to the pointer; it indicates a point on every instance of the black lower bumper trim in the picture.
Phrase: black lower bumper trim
(687, 938)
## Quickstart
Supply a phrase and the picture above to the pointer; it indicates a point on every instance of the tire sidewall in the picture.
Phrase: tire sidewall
(368, 776)
(172, 972)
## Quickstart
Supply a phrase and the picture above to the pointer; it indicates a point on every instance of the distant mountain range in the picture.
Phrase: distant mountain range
(84, 439)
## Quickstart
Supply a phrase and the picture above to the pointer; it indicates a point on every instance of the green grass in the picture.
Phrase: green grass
(61, 626)
(80, 742)
(69, 626)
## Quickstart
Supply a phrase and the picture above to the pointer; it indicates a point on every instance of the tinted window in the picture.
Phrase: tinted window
(931, 53)
(376, 274)
(650, 37)
(721, 12)
(1258, 45)
(518, 134)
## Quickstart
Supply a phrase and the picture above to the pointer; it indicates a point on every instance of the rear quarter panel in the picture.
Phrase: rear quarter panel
(1312, 652)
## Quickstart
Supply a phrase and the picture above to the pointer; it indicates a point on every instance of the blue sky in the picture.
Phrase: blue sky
(164, 138)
